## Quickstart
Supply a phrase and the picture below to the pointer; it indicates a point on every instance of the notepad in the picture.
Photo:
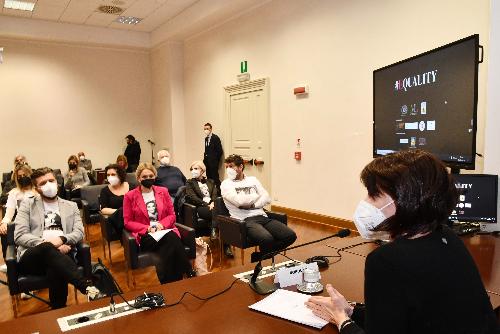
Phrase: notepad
(159, 234)
(289, 305)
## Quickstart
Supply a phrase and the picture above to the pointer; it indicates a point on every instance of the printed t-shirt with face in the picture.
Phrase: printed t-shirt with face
(204, 190)
(53, 225)
(149, 200)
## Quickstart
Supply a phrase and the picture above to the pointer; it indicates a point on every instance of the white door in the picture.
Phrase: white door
(248, 130)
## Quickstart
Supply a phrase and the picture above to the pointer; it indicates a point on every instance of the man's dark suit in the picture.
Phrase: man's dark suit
(211, 158)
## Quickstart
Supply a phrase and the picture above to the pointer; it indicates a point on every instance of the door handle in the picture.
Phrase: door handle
(246, 161)
(258, 162)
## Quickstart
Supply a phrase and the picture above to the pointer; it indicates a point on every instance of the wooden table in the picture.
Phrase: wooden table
(227, 313)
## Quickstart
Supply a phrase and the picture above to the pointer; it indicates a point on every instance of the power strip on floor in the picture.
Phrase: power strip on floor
(92, 317)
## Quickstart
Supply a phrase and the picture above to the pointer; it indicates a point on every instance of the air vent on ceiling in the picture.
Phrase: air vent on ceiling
(110, 9)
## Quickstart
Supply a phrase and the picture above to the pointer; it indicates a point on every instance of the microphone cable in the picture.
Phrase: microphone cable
(155, 300)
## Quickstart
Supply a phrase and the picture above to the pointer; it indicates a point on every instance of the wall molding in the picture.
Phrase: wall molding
(316, 217)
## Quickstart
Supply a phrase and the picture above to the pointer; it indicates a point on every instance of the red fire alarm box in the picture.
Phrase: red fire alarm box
(298, 156)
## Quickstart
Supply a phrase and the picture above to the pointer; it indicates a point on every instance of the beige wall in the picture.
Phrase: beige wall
(168, 101)
(333, 46)
(58, 99)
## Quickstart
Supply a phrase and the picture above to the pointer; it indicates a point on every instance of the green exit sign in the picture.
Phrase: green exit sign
(243, 67)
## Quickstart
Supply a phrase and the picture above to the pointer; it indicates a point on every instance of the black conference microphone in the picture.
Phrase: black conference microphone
(151, 142)
(262, 287)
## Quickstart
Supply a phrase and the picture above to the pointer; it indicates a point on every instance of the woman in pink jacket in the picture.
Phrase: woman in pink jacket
(147, 213)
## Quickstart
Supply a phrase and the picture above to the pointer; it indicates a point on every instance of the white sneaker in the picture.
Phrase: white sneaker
(93, 293)
(25, 296)
(3, 268)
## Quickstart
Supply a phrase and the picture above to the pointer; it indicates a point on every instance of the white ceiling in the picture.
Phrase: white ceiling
(84, 12)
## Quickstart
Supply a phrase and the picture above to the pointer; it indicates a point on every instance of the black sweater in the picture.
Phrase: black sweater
(425, 285)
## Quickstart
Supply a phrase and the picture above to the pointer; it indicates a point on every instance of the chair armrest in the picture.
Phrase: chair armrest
(10, 233)
(130, 249)
(189, 214)
(232, 231)
(279, 216)
(86, 212)
(103, 222)
(188, 235)
(84, 259)
(12, 272)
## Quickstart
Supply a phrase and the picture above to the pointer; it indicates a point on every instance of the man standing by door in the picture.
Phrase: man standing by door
(213, 154)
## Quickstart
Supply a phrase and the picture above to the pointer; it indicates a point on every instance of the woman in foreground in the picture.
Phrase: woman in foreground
(424, 280)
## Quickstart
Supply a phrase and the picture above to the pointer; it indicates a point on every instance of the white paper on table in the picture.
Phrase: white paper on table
(289, 305)
(159, 234)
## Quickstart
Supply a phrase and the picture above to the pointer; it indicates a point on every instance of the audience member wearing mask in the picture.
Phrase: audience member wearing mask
(424, 280)
(84, 162)
(47, 231)
(245, 198)
(111, 198)
(213, 154)
(122, 161)
(8, 182)
(202, 192)
(133, 153)
(76, 177)
(169, 176)
(147, 211)
(24, 189)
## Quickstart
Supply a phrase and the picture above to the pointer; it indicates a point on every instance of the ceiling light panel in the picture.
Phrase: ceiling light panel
(128, 20)
(19, 5)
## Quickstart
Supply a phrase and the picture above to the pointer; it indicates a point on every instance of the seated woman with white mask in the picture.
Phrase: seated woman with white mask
(111, 198)
(424, 280)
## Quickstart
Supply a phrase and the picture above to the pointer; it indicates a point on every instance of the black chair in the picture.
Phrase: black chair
(19, 283)
(136, 259)
(132, 180)
(190, 218)
(90, 206)
(233, 231)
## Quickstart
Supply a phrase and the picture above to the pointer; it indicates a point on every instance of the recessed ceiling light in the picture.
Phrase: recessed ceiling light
(19, 5)
(128, 19)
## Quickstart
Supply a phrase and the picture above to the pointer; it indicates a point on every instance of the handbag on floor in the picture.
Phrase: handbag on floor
(200, 263)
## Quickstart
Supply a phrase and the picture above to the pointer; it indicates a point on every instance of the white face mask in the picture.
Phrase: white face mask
(367, 217)
(113, 180)
(207, 132)
(195, 173)
(165, 161)
(231, 173)
(49, 189)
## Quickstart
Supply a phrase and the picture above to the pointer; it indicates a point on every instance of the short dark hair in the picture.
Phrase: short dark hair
(422, 189)
(39, 172)
(122, 175)
(132, 138)
(208, 124)
(236, 159)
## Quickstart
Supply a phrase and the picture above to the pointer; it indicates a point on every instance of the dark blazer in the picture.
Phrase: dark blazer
(195, 196)
(213, 152)
(133, 153)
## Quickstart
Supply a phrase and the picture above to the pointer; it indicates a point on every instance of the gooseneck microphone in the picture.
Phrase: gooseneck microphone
(151, 142)
(263, 288)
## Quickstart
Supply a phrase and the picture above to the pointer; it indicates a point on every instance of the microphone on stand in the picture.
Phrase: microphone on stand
(264, 288)
(151, 142)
